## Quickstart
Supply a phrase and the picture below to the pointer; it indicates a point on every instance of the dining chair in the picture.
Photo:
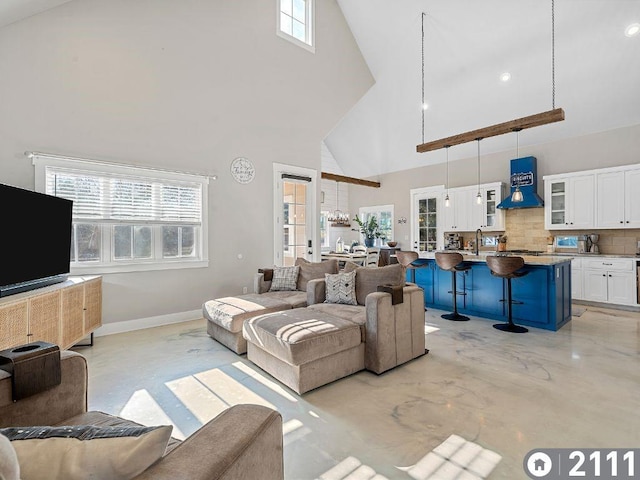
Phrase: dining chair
(359, 249)
(373, 257)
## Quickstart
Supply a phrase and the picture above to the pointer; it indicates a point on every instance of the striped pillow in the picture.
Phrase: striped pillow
(341, 288)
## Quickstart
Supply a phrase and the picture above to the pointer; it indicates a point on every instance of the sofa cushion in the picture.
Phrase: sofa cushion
(354, 313)
(230, 312)
(301, 335)
(312, 270)
(368, 279)
(293, 299)
(285, 278)
(9, 465)
(341, 288)
(86, 451)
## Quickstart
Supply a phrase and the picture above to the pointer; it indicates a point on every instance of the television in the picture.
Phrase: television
(35, 245)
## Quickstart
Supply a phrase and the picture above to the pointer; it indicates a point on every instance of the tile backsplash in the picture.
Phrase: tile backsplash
(524, 228)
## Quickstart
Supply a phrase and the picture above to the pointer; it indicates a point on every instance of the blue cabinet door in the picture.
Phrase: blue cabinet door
(533, 290)
(424, 278)
(487, 292)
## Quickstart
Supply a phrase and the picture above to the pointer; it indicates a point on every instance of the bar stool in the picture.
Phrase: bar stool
(405, 259)
(451, 262)
(506, 267)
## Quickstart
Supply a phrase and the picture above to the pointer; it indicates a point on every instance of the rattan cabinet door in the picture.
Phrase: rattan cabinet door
(92, 305)
(72, 315)
(14, 324)
(44, 318)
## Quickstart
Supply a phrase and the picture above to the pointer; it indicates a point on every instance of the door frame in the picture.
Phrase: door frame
(312, 227)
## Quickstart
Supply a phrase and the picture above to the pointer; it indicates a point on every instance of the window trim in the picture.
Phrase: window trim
(309, 27)
(43, 160)
(377, 210)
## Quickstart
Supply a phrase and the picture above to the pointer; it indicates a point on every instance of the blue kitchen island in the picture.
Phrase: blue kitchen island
(545, 292)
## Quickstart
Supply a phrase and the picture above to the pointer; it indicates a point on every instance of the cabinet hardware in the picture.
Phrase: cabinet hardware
(607, 263)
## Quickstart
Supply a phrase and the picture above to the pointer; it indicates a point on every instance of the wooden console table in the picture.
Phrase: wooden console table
(62, 314)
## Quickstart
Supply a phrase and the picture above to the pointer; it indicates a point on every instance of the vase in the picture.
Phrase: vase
(368, 241)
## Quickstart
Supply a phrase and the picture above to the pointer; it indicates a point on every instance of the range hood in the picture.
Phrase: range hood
(524, 174)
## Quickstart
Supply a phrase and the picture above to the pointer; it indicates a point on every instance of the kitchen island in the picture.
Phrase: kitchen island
(545, 292)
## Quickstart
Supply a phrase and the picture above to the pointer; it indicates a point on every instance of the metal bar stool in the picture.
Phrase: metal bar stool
(506, 268)
(452, 262)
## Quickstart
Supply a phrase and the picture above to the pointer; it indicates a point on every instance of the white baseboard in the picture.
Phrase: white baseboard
(149, 322)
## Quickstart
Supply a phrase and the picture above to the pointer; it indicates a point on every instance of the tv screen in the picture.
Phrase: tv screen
(35, 245)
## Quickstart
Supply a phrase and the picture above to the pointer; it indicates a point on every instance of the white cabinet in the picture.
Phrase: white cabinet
(458, 215)
(576, 279)
(488, 216)
(465, 214)
(618, 199)
(569, 201)
(610, 280)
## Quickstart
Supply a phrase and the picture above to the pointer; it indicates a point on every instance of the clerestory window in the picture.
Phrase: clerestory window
(295, 22)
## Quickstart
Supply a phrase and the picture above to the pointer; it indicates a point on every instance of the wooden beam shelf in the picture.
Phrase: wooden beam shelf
(551, 116)
(355, 181)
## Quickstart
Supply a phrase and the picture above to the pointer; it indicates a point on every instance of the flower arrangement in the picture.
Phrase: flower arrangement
(369, 229)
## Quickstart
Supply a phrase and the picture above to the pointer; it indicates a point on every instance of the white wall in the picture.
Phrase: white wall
(185, 85)
(605, 149)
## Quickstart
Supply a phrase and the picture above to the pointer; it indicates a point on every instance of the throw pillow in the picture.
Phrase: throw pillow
(284, 278)
(312, 270)
(9, 466)
(341, 288)
(82, 452)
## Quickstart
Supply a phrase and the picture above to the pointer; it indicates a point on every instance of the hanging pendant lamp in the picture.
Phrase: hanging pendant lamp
(479, 195)
(517, 196)
(446, 198)
(338, 218)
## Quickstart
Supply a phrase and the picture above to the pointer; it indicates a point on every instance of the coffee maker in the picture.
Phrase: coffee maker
(592, 243)
(452, 241)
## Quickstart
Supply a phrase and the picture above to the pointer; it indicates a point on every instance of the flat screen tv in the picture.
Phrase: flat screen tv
(35, 244)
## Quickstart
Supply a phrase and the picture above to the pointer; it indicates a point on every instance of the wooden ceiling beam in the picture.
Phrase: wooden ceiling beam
(551, 116)
(355, 181)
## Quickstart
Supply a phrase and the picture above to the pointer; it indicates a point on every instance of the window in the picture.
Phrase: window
(384, 216)
(295, 22)
(128, 218)
(567, 242)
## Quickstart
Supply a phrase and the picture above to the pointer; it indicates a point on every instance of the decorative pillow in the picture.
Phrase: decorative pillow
(284, 278)
(9, 466)
(83, 452)
(341, 288)
(312, 270)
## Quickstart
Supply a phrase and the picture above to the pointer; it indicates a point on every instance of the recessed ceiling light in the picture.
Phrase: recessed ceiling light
(505, 77)
(425, 106)
(632, 30)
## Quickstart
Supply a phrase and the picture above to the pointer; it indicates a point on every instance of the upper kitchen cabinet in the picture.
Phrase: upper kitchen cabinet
(569, 201)
(618, 198)
(488, 216)
(465, 214)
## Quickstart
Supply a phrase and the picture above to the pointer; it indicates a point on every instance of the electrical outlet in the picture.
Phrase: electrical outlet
(244, 289)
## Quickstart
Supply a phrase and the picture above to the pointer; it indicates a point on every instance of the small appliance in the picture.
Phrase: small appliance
(582, 244)
(452, 241)
(592, 243)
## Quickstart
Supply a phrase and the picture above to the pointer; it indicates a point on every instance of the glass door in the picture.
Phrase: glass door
(426, 232)
(294, 221)
(558, 203)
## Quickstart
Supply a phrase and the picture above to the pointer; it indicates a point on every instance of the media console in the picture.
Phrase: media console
(62, 314)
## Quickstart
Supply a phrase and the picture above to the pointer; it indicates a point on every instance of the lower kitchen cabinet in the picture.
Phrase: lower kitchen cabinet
(609, 280)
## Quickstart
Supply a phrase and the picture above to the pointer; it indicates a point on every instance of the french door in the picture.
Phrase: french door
(426, 220)
(294, 214)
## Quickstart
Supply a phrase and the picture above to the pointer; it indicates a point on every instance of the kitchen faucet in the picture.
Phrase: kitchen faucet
(477, 244)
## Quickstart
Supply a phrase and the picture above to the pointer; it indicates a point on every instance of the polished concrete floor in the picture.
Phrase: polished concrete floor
(508, 393)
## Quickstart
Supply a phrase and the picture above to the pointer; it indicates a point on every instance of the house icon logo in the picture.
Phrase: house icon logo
(538, 464)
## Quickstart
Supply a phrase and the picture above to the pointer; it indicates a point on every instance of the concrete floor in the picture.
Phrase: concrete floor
(508, 393)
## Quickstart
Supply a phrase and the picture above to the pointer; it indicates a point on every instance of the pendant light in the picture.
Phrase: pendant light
(446, 198)
(338, 218)
(516, 196)
(479, 195)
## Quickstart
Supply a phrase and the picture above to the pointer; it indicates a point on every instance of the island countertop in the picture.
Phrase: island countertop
(547, 259)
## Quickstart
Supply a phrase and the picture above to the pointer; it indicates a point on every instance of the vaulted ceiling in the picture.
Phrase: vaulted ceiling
(468, 45)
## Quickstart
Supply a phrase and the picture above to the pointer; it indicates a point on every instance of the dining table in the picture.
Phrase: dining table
(358, 257)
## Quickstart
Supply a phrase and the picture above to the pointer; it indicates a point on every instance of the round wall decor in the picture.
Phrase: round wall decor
(242, 170)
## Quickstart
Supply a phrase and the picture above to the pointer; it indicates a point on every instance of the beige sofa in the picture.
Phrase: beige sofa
(308, 347)
(242, 442)
(225, 316)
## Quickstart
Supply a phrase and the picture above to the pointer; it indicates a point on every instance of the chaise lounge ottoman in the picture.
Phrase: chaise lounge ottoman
(225, 316)
(303, 348)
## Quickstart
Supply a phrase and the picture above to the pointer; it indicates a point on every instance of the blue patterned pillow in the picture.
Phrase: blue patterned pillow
(341, 288)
